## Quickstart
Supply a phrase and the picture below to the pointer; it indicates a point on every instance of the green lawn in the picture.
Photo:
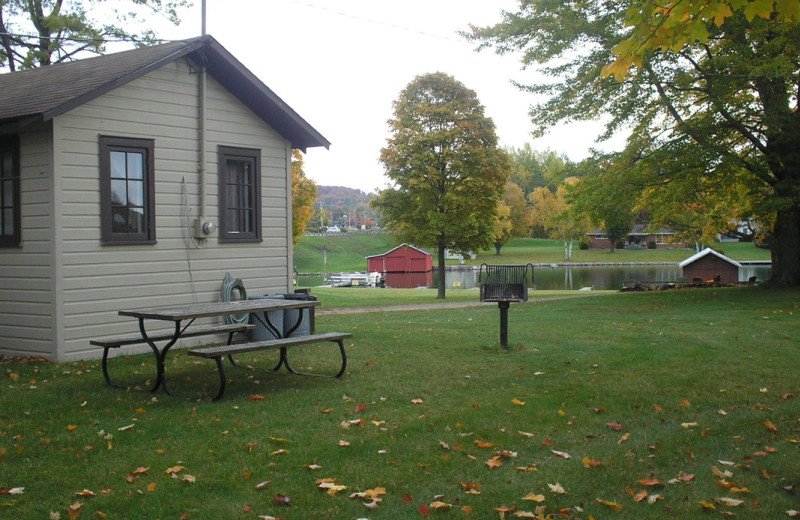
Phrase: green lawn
(666, 403)
(348, 252)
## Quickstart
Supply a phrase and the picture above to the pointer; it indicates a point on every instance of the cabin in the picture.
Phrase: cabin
(138, 179)
(709, 265)
(404, 267)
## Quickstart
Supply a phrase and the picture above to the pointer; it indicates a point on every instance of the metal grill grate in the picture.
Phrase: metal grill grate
(504, 283)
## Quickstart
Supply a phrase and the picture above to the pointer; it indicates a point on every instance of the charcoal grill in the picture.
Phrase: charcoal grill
(504, 284)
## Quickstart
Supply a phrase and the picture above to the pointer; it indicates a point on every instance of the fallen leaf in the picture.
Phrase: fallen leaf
(685, 404)
(690, 425)
(556, 488)
(85, 493)
(71, 427)
(526, 514)
(623, 438)
(647, 481)
(732, 502)
(518, 402)
(440, 505)
(152, 486)
(175, 469)
(483, 444)
(74, 511)
(262, 485)
(313, 467)
(561, 454)
(417, 401)
(494, 462)
(589, 462)
(614, 426)
(533, 497)
(771, 427)
(344, 444)
(256, 397)
(282, 499)
(525, 434)
(641, 495)
(706, 505)
(613, 505)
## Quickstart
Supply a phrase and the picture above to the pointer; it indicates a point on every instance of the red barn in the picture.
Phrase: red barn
(405, 266)
(709, 265)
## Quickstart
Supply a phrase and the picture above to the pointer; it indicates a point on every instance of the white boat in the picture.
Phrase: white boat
(355, 280)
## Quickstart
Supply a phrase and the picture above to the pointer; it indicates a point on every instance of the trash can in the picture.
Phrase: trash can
(261, 332)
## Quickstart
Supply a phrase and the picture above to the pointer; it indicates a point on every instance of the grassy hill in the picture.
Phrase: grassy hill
(347, 252)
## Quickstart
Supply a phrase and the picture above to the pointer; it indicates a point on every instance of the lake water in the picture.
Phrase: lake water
(577, 277)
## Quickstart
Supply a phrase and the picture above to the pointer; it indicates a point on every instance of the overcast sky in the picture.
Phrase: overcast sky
(341, 63)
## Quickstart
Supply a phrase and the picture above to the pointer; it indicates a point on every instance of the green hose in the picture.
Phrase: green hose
(228, 286)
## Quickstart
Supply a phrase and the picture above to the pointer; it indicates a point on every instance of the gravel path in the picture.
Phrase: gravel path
(422, 306)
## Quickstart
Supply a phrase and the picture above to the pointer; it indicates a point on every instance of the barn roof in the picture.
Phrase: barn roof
(46, 92)
(398, 247)
(708, 251)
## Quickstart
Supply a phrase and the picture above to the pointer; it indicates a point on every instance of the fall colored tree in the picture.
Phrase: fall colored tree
(304, 194)
(34, 33)
(446, 169)
(514, 216)
(552, 211)
(712, 106)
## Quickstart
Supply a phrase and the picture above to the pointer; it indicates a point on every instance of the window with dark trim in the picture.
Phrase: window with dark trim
(127, 190)
(10, 224)
(239, 194)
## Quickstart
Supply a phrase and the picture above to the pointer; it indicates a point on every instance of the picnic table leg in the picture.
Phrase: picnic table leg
(285, 361)
(266, 322)
(222, 379)
(162, 356)
(105, 368)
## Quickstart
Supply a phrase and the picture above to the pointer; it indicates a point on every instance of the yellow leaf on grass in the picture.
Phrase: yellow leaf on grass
(647, 481)
(771, 427)
(613, 505)
(494, 462)
(85, 493)
(74, 511)
(706, 505)
(518, 402)
(152, 486)
(440, 505)
(175, 469)
(71, 427)
(556, 488)
(417, 401)
(533, 497)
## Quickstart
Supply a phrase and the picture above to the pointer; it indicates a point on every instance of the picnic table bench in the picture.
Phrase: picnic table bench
(283, 344)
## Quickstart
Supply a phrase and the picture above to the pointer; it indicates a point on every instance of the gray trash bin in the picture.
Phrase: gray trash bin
(261, 332)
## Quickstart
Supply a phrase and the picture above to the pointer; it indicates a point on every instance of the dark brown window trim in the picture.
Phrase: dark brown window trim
(9, 144)
(226, 234)
(110, 144)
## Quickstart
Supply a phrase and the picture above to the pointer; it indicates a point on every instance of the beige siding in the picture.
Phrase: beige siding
(27, 320)
(96, 281)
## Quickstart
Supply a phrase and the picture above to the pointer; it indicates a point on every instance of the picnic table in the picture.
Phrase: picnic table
(184, 316)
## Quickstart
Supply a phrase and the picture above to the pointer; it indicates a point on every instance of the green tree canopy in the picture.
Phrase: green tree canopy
(708, 112)
(34, 33)
(304, 194)
(446, 168)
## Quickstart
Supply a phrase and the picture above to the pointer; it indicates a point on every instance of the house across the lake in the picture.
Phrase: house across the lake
(138, 179)
(638, 238)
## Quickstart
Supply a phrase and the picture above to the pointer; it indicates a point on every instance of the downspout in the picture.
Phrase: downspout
(203, 79)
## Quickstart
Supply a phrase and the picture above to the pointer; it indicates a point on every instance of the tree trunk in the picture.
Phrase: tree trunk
(441, 283)
(785, 247)
(497, 246)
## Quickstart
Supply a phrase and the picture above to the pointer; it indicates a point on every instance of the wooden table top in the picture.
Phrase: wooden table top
(204, 310)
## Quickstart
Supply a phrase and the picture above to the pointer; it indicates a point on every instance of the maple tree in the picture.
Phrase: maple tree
(446, 168)
(716, 107)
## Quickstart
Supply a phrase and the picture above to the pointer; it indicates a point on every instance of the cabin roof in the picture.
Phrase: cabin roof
(47, 92)
(705, 252)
